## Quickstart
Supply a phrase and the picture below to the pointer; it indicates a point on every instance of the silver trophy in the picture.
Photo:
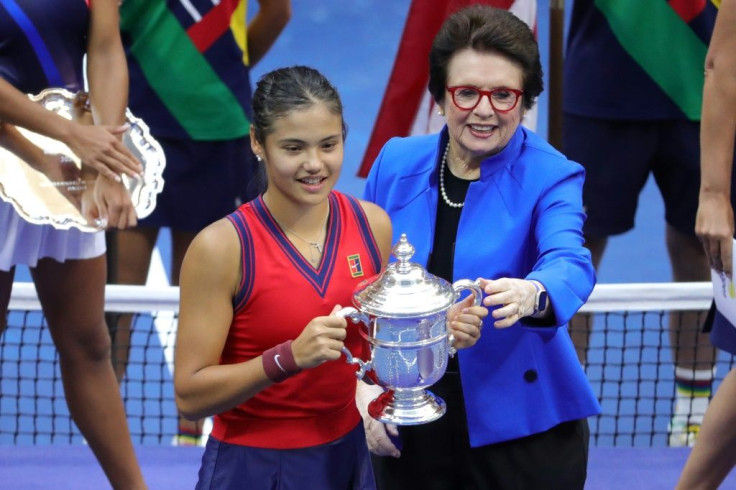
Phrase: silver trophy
(403, 315)
(41, 176)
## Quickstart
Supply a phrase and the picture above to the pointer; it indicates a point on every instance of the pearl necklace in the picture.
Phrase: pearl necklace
(442, 181)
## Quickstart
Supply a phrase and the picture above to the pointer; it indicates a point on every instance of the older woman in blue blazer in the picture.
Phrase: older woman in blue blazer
(487, 197)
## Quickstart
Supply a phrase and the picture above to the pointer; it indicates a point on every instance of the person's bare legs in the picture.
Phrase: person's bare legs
(581, 325)
(134, 248)
(691, 348)
(714, 453)
(693, 354)
(6, 286)
(72, 297)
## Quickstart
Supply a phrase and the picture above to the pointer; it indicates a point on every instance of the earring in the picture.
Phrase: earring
(258, 157)
(440, 113)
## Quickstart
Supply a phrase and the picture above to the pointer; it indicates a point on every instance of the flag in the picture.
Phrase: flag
(407, 107)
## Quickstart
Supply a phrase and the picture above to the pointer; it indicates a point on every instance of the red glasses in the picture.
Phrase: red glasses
(502, 99)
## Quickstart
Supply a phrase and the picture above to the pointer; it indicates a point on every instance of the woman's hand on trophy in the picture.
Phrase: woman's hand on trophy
(466, 321)
(113, 201)
(381, 438)
(514, 299)
(320, 341)
(101, 148)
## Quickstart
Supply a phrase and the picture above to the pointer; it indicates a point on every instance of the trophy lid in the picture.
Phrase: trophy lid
(405, 289)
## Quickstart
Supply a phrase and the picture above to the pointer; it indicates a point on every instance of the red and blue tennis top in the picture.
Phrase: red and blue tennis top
(280, 293)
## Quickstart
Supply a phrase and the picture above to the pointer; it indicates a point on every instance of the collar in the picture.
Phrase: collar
(504, 158)
(425, 177)
(492, 164)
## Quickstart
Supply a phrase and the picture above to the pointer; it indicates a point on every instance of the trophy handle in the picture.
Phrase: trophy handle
(473, 286)
(356, 317)
(458, 286)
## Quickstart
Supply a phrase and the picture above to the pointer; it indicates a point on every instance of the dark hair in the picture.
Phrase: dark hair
(279, 93)
(486, 29)
(285, 90)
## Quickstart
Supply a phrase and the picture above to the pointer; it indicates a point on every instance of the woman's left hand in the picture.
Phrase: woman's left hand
(115, 208)
(466, 321)
(515, 296)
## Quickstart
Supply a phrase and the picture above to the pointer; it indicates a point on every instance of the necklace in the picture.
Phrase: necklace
(442, 181)
(313, 245)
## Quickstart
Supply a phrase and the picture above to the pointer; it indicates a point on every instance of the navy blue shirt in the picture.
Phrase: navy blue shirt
(37, 49)
(601, 79)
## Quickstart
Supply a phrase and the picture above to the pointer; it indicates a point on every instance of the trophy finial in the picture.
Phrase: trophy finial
(403, 251)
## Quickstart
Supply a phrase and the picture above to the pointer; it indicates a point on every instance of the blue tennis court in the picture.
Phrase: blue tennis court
(175, 468)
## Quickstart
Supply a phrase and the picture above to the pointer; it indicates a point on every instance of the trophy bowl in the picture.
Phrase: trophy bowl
(44, 184)
(403, 313)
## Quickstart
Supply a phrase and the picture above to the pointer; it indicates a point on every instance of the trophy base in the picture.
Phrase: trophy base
(411, 406)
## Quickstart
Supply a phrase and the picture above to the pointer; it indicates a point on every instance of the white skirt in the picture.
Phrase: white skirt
(24, 243)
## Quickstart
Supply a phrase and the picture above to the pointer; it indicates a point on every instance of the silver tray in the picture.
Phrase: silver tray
(53, 195)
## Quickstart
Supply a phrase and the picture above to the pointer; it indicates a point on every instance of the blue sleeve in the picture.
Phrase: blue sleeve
(369, 192)
(373, 183)
(563, 265)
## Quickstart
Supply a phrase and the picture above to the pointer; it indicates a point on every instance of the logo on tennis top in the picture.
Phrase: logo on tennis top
(356, 268)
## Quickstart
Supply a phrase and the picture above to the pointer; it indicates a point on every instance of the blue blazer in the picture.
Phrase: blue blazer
(522, 219)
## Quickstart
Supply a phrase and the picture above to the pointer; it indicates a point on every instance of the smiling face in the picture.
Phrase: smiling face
(303, 155)
(482, 131)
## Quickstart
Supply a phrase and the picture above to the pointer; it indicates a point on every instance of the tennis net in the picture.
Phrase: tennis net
(629, 364)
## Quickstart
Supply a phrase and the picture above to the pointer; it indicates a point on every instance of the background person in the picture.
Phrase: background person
(42, 44)
(714, 454)
(197, 106)
(501, 204)
(628, 113)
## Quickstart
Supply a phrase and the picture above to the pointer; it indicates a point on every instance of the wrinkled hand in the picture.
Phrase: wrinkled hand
(320, 341)
(466, 321)
(377, 433)
(111, 207)
(100, 147)
(514, 296)
(715, 228)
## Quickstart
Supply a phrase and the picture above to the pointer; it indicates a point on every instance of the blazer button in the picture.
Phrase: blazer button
(530, 376)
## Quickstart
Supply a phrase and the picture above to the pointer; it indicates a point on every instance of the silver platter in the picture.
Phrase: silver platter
(50, 191)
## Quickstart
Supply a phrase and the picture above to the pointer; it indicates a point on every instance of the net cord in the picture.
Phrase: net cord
(680, 296)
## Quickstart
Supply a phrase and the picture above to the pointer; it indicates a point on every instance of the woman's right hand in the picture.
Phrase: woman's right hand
(320, 341)
(714, 226)
(466, 322)
(513, 297)
(381, 438)
(101, 148)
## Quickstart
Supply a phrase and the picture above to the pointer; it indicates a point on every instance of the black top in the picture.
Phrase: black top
(443, 249)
